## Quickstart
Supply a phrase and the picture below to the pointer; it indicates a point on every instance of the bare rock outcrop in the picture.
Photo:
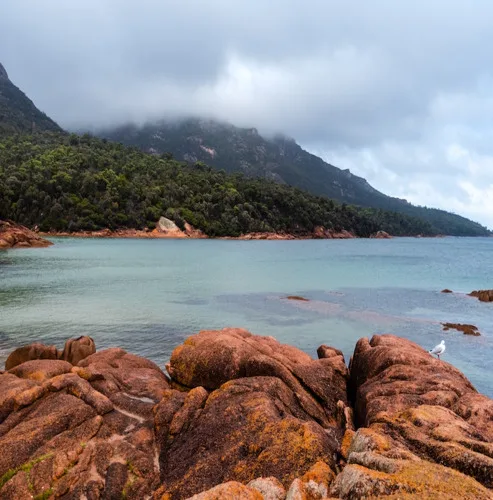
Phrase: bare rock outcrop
(244, 417)
(321, 232)
(381, 235)
(14, 235)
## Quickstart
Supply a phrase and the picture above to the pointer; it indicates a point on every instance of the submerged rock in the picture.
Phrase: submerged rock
(465, 329)
(14, 235)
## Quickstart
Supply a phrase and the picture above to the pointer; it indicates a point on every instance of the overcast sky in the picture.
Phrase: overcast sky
(400, 92)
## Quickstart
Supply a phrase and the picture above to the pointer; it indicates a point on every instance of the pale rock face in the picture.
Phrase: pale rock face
(270, 488)
(165, 225)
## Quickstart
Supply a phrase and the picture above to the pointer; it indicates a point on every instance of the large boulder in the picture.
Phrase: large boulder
(381, 235)
(414, 409)
(14, 235)
(81, 431)
(212, 358)
(256, 408)
(75, 350)
(29, 353)
(371, 475)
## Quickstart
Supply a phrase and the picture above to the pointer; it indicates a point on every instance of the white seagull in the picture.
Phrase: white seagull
(438, 349)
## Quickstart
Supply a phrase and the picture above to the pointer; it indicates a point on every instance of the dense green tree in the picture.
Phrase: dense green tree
(66, 182)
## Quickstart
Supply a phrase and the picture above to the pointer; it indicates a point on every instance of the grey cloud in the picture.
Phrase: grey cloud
(398, 82)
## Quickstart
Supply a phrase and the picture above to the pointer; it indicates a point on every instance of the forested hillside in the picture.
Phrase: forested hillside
(235, 149)
(67, 182)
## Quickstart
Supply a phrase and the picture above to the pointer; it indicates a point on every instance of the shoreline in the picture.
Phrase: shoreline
(193, 234)
(150, 235)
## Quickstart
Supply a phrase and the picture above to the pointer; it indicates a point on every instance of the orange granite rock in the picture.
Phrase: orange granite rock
(14, 235)
(79, 431)
(420, 408)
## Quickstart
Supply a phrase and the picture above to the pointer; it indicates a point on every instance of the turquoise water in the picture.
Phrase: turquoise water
(148, 295)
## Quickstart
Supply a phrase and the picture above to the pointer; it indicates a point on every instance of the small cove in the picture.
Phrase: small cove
(147, 296)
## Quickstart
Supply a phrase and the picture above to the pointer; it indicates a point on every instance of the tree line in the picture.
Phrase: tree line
(71, 183)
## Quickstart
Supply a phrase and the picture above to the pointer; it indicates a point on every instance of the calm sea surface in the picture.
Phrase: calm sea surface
(147, 296)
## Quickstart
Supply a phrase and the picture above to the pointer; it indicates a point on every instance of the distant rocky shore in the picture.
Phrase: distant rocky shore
(165, 229)
(240, 416)
(13, 235)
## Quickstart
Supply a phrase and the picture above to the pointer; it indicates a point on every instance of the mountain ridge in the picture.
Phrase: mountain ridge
(18, 114)
(234, 149)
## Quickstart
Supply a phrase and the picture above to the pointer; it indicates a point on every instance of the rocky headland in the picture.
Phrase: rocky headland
(481, 295)
(14, 235)
(240, 416)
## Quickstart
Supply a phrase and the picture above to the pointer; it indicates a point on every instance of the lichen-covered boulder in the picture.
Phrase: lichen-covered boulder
(256, 408)
(212, 358)
(75, 350)
(231, 489)
(82, 431)
(412, 407)
(370, 475)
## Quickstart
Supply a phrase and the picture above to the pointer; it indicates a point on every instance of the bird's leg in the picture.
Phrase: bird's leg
(438, 356)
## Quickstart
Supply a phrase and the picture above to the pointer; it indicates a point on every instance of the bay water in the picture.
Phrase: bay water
(147, 296)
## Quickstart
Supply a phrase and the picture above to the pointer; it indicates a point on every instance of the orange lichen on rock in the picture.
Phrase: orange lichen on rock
(410, 479)
(95, 431)
(242, 417)
(231, 489)
(424, 410)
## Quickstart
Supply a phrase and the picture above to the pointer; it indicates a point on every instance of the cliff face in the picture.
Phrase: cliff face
(242, 416)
